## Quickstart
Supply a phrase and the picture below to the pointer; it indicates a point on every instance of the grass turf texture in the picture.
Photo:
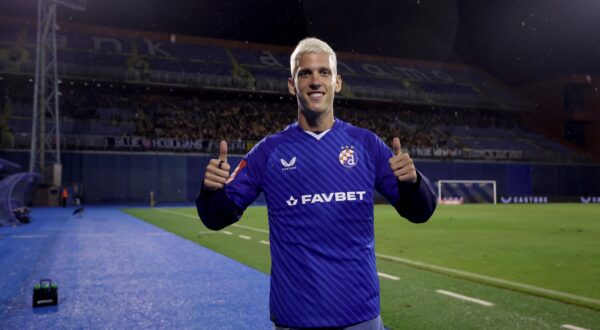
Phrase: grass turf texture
(552, 246)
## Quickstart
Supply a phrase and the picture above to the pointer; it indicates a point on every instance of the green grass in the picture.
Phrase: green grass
(553, 246)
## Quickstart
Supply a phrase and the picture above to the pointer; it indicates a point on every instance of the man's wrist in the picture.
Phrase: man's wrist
(411, 184)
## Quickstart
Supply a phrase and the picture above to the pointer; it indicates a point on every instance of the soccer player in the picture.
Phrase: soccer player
(318, 177)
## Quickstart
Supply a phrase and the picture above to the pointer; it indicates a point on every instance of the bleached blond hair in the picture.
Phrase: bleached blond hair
(312, 46)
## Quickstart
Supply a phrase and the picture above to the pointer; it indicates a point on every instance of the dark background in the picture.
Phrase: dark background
(517, 41)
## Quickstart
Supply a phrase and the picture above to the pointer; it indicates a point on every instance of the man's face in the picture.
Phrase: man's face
(314, 83)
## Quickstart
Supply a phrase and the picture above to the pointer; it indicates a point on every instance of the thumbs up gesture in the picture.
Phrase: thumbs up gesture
(217, 171)
(401, 164)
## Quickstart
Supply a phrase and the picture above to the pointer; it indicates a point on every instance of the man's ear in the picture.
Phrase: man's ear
(291, 86)
(338, 83)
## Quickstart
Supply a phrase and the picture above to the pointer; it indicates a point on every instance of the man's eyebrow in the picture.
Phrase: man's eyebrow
(305, 70)
(317, 69)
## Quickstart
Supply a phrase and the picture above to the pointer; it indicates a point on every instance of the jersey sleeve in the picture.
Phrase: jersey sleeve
(414, 201)
(222, 207)
(245, 183)
(386, 182)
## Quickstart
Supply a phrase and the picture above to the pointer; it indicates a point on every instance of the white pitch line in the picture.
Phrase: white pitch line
(390, 277)
(461, 297)
(226, 232)
(207, 232)
(244, 237)
(460, 273)
(29, 236)
(265, 242)
(233, 225)
(572, 327)
(98, 235)
(178, 213)
(251, 228)
(489, 279)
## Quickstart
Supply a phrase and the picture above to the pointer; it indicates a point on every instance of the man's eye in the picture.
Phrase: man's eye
(325, 73)
(303, 74)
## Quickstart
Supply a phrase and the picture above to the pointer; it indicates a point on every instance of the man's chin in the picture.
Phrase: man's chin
(313, 112)
(315, 108)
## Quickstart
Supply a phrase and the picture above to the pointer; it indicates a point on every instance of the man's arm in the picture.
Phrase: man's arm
(215, 209)
(417, 200)
(417, 196)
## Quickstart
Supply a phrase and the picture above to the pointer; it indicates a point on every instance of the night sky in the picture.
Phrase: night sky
(517, 41)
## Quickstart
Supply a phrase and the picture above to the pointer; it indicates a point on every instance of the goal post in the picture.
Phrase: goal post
(466, 191)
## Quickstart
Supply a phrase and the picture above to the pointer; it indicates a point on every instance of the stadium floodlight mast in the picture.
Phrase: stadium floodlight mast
(45, 136)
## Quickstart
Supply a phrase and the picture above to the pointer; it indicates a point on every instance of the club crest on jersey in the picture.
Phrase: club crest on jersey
(348, 157)
(291, 165)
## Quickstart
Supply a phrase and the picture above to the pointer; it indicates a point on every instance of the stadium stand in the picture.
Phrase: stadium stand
(95, 116)
(131, 89)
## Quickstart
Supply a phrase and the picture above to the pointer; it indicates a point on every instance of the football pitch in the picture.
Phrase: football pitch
(471, 266)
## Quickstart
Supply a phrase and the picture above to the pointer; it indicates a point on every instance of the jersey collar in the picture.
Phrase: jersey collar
(319, 136)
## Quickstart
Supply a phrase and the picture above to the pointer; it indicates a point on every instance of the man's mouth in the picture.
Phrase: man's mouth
(316, 95)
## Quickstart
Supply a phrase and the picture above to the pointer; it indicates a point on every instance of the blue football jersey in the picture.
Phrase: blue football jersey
(319, 192)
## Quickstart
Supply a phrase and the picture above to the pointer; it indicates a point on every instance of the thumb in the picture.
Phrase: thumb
(223, 151)
(396, 146)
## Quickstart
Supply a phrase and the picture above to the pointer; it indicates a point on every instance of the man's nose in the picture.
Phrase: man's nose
(315, 85)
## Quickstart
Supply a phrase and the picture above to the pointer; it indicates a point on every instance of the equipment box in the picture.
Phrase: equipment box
(45, 293)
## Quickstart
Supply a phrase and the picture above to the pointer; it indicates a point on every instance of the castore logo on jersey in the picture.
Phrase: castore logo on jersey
(291, 165)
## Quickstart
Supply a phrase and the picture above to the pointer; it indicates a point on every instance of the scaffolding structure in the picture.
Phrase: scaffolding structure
(45, 124)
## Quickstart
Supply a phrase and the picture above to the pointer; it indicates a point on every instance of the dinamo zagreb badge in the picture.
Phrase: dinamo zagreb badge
(348, 157)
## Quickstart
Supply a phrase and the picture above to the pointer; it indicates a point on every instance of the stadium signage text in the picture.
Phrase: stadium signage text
(589, 199)
(340, 196)
(524, 199)
(142, 143)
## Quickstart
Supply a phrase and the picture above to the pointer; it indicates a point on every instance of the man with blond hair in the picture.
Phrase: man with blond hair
(318, 176)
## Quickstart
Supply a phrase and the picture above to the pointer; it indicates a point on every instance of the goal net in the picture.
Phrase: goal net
(466, 191)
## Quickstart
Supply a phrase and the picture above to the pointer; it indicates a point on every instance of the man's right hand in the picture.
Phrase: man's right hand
(217, 171)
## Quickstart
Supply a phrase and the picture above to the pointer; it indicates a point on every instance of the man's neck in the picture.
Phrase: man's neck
(315, 124)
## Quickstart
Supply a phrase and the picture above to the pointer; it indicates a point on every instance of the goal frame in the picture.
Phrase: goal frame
(493, 182)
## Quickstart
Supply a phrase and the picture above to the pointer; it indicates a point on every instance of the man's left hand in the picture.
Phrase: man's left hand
(401, 164)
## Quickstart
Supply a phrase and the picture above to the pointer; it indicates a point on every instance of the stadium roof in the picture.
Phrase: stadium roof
(516, 41)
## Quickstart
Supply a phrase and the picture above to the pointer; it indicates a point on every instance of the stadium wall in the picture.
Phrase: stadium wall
(128, 178)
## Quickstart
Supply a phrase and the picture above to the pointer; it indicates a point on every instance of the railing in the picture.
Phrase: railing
(144, 144)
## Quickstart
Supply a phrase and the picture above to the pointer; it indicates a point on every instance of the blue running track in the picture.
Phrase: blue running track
(115, 271)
